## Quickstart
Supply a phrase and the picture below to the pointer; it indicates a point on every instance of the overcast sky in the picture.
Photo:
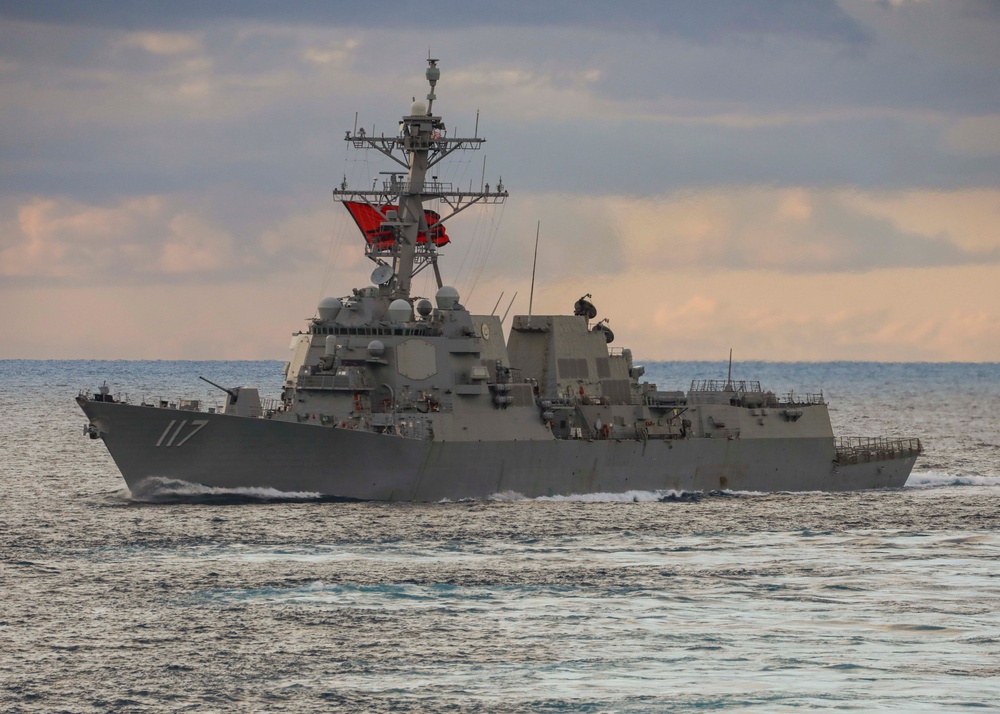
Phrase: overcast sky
(795, 179)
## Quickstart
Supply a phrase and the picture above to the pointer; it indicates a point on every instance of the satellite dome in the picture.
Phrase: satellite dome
(329, 308)
(400, 310)
(376, 348)
(418, 109)
(447, 297)
(424, 307)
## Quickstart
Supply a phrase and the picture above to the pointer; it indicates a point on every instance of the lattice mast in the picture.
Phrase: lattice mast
(422, 143)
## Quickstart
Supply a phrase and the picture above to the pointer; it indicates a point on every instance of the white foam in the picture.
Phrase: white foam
(624, 497)
(931, 479)
(158, 488)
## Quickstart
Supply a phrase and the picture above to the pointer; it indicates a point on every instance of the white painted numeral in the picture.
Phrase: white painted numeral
(181, 426)
(198, 425)
(164, 434)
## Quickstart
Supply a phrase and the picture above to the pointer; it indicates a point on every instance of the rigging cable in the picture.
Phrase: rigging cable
(496, 220)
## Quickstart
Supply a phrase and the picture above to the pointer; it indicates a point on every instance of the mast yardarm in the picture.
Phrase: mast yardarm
(422, 142)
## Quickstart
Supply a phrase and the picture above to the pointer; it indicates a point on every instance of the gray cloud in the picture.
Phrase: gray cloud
(130, 134)
(235, 116)
(818, 19)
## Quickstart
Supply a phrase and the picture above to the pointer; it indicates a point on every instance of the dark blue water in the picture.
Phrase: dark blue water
(740, 602)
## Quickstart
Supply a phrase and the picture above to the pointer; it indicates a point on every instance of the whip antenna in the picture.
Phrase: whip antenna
(534, 264)
(498, 303)
(508, 308)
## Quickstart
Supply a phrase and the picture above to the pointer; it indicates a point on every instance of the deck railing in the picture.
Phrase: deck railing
(857, 450)
(723, 385)
(799, 399)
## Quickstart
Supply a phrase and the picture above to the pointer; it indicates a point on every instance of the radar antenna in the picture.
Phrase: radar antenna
(584, 308)
(408, 237)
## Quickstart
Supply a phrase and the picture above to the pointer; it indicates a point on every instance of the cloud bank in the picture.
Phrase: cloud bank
(192, 146)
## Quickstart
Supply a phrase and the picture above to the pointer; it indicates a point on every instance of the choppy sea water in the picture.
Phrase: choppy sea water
(195, 600)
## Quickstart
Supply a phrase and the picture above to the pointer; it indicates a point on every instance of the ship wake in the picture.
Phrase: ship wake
(168, 490)
(662, 496)
(934, 479)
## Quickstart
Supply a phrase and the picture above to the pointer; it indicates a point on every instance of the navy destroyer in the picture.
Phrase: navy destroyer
(390, 395)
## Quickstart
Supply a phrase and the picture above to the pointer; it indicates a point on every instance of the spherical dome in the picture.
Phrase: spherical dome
(400, 310)
(376, 348)
(447, 297)
(418, 109)
(424, 307)
(329, 308)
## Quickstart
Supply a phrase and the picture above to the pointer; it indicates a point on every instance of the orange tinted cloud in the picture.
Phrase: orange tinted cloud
(903, 314)
(663, 302)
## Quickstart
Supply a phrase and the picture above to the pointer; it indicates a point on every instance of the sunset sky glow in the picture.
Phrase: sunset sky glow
(797, 180)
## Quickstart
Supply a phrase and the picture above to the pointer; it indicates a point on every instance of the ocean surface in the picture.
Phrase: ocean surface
(200, 600)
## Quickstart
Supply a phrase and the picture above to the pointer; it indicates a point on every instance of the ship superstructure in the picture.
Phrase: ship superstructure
(394, 396)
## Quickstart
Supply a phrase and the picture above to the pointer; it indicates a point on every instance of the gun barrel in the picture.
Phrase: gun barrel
(230, 392)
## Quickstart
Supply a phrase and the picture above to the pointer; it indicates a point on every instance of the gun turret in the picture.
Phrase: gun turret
(234, 394)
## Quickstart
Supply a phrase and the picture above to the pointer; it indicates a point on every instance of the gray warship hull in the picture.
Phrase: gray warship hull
(390, 396)
(234, 452)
